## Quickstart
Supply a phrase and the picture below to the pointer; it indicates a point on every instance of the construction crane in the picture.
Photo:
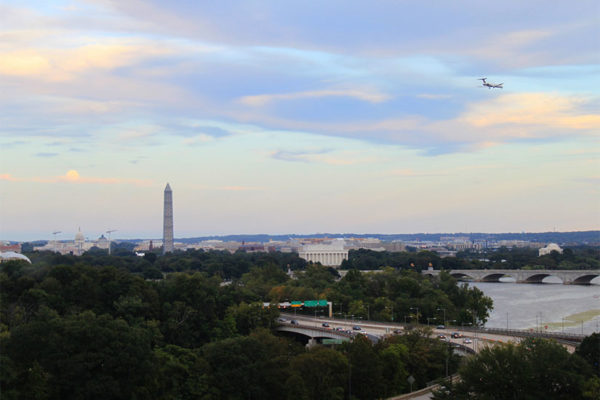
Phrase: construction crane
(109, 243)
(54, 234)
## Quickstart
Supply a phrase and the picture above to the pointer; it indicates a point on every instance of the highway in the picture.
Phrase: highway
(479, 340)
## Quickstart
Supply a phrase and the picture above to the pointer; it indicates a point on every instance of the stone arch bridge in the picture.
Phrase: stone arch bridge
(568, 277)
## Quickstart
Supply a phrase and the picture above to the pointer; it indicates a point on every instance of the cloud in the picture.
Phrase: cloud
(296, 156)
(323, 156)
(410, 173)
(505, 118)
(46, 154)
(60, 64)
(72, 176)
(263, 99)
(198, 139)
(238, 188)
(434, 96)
(532, 110)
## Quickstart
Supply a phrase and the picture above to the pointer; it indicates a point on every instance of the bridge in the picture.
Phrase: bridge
(568, 277)
(313, 333)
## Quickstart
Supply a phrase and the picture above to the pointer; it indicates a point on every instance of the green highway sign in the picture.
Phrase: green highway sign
(332, 341)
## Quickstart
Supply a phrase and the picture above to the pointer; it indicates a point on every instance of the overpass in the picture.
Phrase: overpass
(568, 277)
(313, 333)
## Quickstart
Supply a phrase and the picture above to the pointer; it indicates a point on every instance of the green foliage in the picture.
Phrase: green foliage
(80, 356)
(248, 367)
(589, 350)
(101, 326)
(533, 369)
(322, 372)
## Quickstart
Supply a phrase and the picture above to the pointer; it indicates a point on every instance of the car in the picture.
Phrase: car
(456, 335)
(280, 319)
(440, 327)
(356, 328)
(442, 337)
(397, 331)
(294, 322)
(467, 341)
(340, 329)
(325, 325)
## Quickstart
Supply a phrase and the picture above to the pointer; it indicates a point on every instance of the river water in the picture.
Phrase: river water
(547, 307)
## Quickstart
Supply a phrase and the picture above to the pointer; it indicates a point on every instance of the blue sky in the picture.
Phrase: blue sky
(288, 117)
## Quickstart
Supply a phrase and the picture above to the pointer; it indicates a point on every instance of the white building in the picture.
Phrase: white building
(11, 255)
(549, 249)
(327, 254)
(77, 247)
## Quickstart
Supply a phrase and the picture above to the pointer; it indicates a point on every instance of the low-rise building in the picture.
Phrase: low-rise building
(329, 254)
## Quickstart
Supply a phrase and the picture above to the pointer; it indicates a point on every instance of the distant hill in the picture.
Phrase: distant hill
(579, 237)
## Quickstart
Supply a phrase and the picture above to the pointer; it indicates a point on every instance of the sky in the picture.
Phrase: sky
(298, 117)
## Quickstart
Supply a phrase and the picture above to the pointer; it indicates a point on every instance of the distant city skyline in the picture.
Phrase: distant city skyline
(276, 117)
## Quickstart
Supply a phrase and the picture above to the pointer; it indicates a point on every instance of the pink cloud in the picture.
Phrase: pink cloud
(72, 176)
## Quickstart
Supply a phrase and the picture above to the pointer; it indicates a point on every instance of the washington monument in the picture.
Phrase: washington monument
(168, 221)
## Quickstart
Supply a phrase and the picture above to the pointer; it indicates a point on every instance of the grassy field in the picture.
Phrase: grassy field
(573, 319)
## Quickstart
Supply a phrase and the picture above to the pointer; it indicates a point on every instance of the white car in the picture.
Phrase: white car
(467, 341)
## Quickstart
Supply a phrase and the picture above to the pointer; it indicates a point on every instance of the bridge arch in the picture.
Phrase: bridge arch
(539, 278)
(495, 277)
(585, 279)
(462, 276)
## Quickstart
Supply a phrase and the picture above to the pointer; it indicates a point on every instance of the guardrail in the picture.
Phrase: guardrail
(560, 336)
(569, 337)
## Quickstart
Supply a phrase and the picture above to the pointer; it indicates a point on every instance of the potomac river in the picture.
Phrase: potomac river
(548, 306)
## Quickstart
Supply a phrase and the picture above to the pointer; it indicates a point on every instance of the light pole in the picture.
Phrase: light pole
(392, 307)
(444, 310)
(368, 313)
(506, 321)
(429, 319)
(416, 308)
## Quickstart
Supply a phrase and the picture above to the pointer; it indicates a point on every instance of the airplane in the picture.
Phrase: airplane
(491, 85)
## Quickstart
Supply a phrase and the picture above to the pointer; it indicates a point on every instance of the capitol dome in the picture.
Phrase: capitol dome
(79, 236)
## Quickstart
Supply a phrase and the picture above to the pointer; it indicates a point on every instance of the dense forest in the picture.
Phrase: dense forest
(575, 257)
(533, 369)
(192, 325)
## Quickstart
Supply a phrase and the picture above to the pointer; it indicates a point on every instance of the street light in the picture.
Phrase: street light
(392, 307)
(429, 319)
(416, 308)
(444, 310)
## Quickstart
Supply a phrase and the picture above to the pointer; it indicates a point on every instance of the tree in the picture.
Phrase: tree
(81, 357)
(366, 367)
(324, 373)
(589, 350)
(533, 369)
(249, 367)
